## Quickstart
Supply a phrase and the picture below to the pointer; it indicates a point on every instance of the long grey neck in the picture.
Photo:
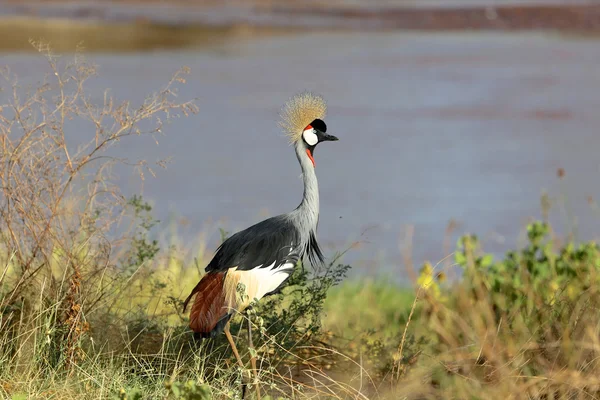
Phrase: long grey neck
(307, 214)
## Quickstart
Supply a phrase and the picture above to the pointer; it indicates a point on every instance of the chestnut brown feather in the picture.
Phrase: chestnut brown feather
(209, 305)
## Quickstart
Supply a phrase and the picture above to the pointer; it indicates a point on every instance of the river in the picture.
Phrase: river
(432, 126)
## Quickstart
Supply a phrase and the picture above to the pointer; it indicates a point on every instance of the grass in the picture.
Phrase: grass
(147, 363)
(457, 343)
(357, 306)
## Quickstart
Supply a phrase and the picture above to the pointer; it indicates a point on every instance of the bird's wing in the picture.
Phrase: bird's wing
(268, 244)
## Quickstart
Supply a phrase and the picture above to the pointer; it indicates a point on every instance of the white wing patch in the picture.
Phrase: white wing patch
(258, 282)
(310, 137)
(270, 278)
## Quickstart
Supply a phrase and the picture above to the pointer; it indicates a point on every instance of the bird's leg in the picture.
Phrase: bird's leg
(253, 358)
(237, 356)
(233, 346)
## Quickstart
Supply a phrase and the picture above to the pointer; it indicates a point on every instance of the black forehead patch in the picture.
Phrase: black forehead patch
(319, 125)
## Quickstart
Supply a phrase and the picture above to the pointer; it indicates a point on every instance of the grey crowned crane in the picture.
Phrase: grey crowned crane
(263, 256)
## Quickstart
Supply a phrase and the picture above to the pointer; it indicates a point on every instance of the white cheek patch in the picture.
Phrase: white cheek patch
(310, 137)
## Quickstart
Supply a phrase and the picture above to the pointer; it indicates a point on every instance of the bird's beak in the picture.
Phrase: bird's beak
(326, 138)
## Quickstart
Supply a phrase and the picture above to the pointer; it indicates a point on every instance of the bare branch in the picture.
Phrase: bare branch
(48, 219)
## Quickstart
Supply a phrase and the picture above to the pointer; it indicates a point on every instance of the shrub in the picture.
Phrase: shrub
(524, 326)
(58, 206)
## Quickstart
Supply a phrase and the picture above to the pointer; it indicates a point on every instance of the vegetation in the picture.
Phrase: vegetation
(89, 309)
(104, 35)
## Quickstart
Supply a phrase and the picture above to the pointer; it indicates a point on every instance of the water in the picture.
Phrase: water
(432, 127)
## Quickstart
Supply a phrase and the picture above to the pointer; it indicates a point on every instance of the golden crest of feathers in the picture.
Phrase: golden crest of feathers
(299, 111)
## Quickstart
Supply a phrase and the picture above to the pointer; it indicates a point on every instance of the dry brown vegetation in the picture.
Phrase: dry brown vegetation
(58, 203)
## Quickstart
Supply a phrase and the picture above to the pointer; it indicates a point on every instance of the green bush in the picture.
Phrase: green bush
(189, 390)
(538, 282)
(525, 325)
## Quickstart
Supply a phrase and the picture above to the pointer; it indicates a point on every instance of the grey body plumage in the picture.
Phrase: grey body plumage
(278, 240)
(263, 256)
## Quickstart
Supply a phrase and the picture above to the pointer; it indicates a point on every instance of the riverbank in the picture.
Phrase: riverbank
(66, 35)
(407, 15)
(128, 25)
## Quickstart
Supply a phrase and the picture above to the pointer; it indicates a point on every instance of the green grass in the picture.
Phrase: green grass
(359, 305)
(455, 344)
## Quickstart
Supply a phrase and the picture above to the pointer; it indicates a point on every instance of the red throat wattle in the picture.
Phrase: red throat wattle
(311, 157)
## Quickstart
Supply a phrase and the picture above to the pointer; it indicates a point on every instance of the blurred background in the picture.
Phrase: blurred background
(454, 116)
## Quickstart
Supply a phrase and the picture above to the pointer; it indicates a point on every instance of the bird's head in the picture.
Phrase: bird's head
(302, 119)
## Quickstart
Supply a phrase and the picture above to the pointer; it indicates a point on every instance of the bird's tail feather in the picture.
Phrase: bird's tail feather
(209, 313)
